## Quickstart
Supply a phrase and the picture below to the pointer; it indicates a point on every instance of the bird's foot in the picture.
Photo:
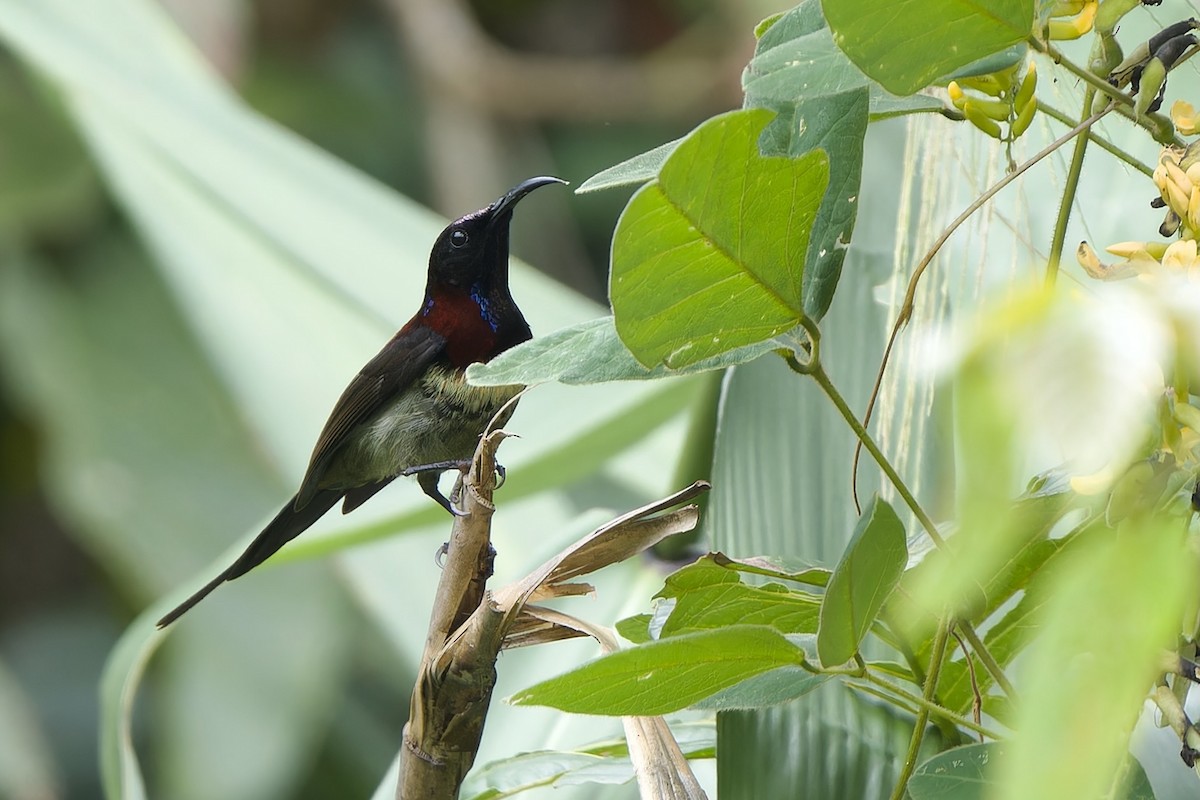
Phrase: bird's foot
(439, 557)
(427, 477)
(428, 474)
(437, 467)
(454, 504)
(457, 497)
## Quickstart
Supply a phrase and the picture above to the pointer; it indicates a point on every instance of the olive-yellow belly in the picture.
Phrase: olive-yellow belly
(439, 418)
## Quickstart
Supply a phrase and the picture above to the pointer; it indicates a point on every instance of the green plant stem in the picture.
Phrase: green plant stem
(1069, 191)
(1094, 81)
(936, 655)
(1125, 103)
(814, 368)
(817, 371)
(1100, 141)
(920, 702)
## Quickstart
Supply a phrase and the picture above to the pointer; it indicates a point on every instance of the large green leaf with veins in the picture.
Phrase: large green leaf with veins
(710, 257)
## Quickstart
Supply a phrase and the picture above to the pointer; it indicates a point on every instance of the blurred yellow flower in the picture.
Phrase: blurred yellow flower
(1184, 117)
(1181, 255)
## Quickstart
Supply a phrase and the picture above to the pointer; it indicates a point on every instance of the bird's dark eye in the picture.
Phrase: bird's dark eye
(458, 239)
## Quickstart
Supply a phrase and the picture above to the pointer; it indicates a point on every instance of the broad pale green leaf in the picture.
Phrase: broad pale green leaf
(906, 44)
(79, 355)
(839, 745)
(27, 766)
(710, 257)
(591, 352)
(861, 582)
(666, 675)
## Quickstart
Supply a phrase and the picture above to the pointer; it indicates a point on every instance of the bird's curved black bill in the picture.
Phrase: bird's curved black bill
(514, 195)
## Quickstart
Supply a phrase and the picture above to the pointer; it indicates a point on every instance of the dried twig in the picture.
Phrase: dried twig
(469, 626)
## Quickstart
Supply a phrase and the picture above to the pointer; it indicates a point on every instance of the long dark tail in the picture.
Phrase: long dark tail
(287, 525)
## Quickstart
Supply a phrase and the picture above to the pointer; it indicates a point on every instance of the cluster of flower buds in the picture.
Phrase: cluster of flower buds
(1140, 258)
(1009, 98)
(1177, 178)
(1070, 19)
(1177, 174)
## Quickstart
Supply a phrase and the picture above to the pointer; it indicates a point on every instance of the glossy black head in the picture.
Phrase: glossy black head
(472, 252)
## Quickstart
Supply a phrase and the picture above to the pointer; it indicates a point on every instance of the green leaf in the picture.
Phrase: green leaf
(861, 583)
(729, 604)
(762, 691)
(118, 690)
(1083, 685)
(775, 567)
(906, 44)
(797, 59)
(590, 352)
(701, 574)
(635, 629)
(639, 169)
(1034, 516)
(822, 102)
(996, 62)
(956, 774)
(835, 125)
(1014, 630)
(602, 762)
(967, 773)
(523, 772)
(711, 256)
(666, 675)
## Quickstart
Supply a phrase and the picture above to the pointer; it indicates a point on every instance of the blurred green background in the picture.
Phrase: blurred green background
(446, 102)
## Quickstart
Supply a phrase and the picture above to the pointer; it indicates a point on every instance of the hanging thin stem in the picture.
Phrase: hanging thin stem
(910, 295)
